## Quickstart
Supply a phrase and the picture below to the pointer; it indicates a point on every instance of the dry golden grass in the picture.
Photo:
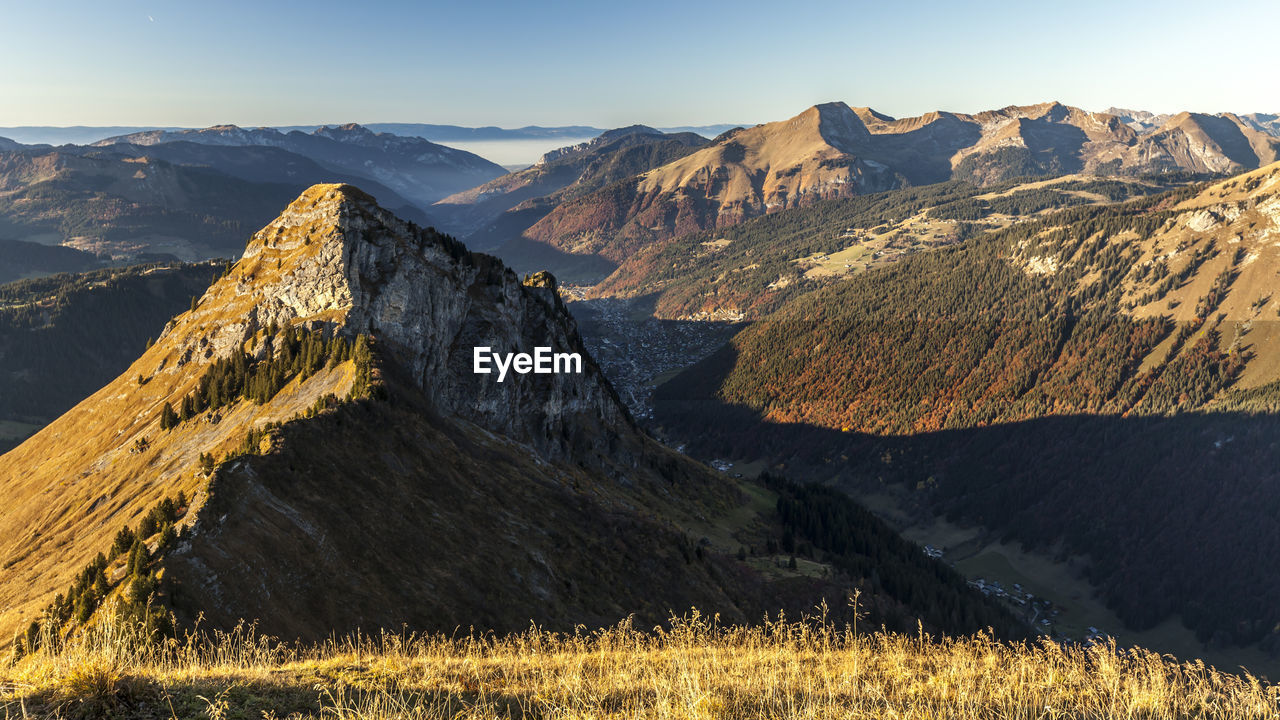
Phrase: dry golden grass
(691, 670)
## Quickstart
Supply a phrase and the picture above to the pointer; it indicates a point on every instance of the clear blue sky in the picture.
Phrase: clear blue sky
(662, 63)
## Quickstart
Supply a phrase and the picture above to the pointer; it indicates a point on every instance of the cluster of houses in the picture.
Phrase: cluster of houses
(1039, 612)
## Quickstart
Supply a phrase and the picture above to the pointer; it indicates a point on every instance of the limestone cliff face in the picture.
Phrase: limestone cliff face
(334, 258)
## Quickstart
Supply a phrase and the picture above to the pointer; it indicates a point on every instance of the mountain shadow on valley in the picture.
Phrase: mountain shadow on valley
(1175, 513)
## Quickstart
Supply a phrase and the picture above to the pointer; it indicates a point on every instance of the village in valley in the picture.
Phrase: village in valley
(637, 352)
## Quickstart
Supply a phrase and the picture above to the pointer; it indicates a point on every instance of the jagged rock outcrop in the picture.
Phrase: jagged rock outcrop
(335, 258)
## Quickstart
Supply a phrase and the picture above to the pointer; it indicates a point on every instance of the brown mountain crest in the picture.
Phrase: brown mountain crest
(812, 156)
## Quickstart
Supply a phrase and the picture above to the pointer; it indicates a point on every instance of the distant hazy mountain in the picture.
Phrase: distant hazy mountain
(442, 133)
(707, 131)
(72, 135)
(7, 144)
(85, 135)
(417, 169)
(1143, 121)
(1140, 120)
(123, 209)
(447, 133)
(518, 200)
(1265, 122)
(259, 164)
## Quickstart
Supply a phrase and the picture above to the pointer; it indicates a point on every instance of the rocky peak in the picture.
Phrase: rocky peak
(1052, 111)
(870, 115)
(345, 133)
(541, 279)
(840, 126)
(335, 259)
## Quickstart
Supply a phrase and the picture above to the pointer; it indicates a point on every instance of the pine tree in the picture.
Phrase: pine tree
(123, 542)
(168, 418)
(150, 525)
(168, 536)
(138, 557)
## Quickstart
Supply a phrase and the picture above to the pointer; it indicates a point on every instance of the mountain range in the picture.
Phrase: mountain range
(107, 207)
(308, 446)
(418, 169)
(1034, 332)
(77, 207)
(834, 150)
(84, 135)
(511, 203)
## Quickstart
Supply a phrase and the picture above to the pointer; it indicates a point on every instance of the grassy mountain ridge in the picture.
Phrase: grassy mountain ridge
(694, 666)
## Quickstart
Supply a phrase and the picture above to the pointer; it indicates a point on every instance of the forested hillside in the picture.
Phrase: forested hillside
(1097, 383)
(753, 268)
(62, 337)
